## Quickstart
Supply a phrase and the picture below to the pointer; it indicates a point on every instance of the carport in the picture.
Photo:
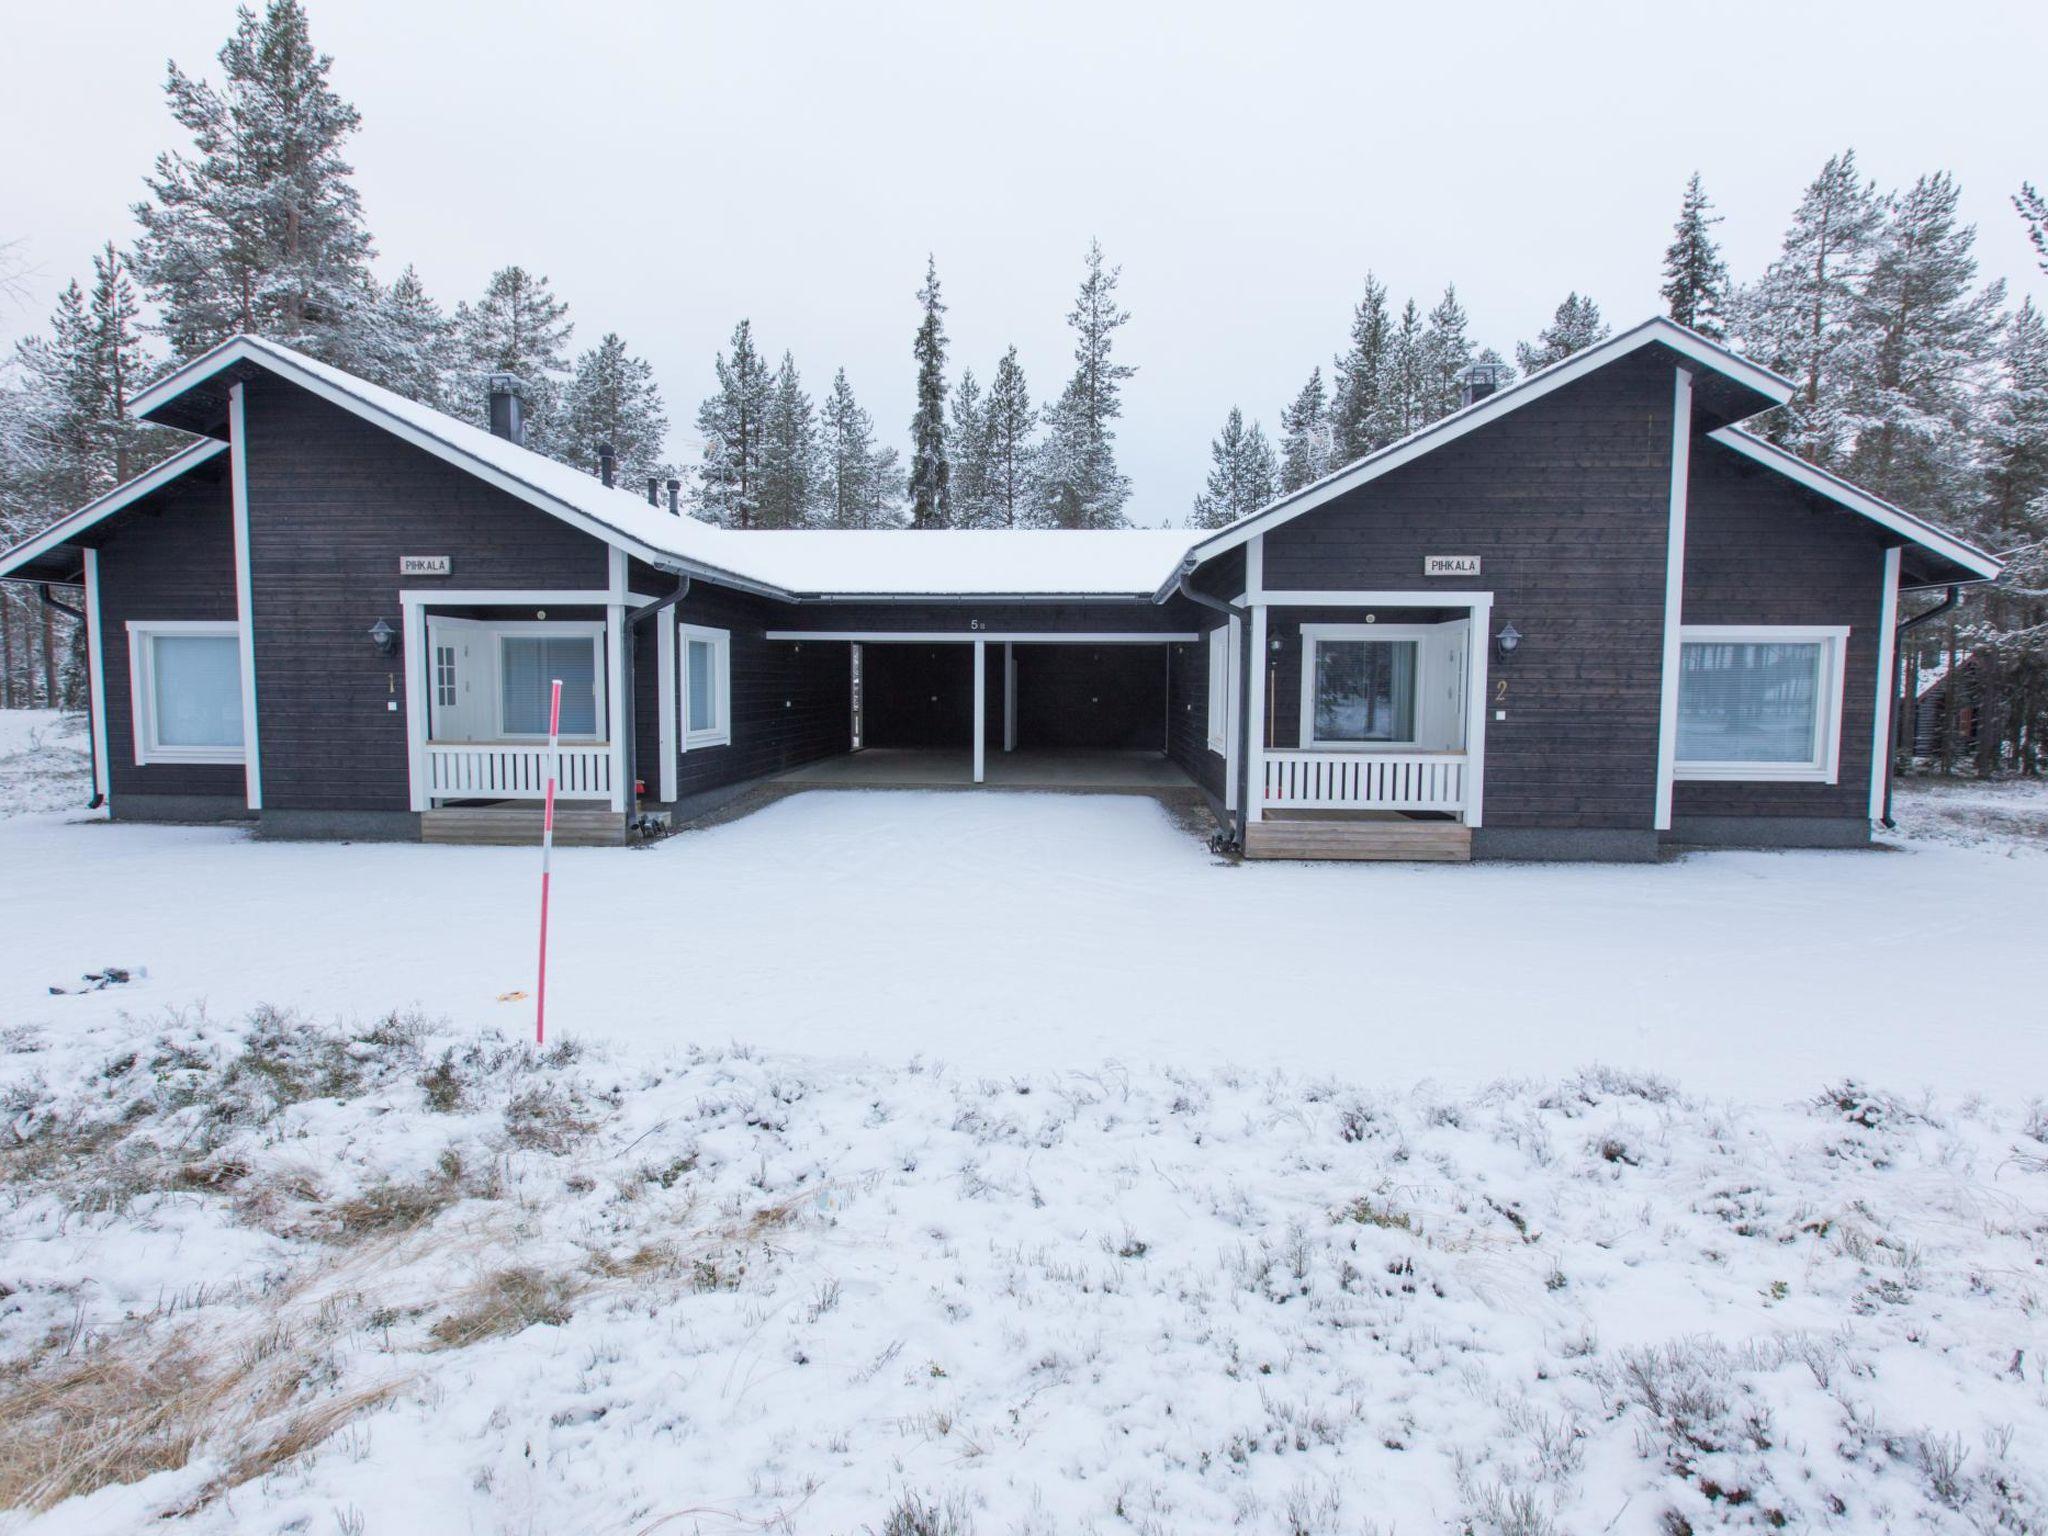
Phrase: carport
(1033, 710)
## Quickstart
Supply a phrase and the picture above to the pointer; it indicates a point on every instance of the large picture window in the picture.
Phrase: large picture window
(707, 686)
(1760, 703)
(187, 683)
(1357, 690)
(529, 664)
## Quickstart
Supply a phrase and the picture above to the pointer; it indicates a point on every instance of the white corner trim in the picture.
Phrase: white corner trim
(1857, 500)
(1255, 568)
(617, 712)
(96, 676)
(1887, 684)
(665, 698)
(1674, 595)
(1478, 646)
(1232, 736)
(104, 507)
(245, 593)
(413, 621)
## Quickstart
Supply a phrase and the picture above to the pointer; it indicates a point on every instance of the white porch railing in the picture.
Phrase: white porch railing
(466, 770)
(1365, 781)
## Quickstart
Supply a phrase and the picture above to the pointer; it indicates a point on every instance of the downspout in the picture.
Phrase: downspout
(1954, 596)
(633, 622)
(92, 751)
(1183, 585)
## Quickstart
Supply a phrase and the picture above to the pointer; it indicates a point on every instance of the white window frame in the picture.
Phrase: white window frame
(557, 629)
(142, 634)
(719, 732)
(1825, 765)
(1222, 693)
(1311, 634)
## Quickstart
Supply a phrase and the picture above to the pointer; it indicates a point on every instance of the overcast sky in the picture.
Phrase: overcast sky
(673, 167)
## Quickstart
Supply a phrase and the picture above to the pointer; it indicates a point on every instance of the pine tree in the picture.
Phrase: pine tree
(858, 481)
(1933, 338)
(2017, 436)
(1080, 484)
(1575, 326)
(2033, 212)
(792, 461)
(1805, 318)
(1359, 421)
(1695, 277)
(612, 398)
(734, 425)
(967, 448)
(517, 327)
(931, 490)
(1404, 405)
(259, 228)
(1241, 478)
(1305, 443)
(1010, 423)
(412, 346)
(1446, 349)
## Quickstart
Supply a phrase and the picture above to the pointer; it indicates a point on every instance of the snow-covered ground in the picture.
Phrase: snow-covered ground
(950, 1163)
(45, 761)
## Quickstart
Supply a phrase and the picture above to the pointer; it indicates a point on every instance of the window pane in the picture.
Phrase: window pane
(532, 662)
(703, 685)
(1365, 690)
(198, 684)
(1749, 702)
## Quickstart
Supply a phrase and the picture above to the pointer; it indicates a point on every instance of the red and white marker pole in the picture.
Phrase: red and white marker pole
(547, 854)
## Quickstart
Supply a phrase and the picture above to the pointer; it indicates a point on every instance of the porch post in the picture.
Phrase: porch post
(1255, 716)
(1009, 697)
(1478, 646)
(619, 717)
(980, 708)
(412, 656)
(665, 698)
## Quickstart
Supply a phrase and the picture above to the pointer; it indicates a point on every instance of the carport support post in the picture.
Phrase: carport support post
(980, 708)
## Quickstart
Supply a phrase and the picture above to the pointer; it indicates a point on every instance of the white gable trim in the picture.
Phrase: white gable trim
(98, 511)
(1659, 331)
(1843, 494)
(279, 360)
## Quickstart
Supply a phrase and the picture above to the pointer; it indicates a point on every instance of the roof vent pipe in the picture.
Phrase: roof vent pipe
(653, 491)
(1478, 380)
(675, 490)
(607, 463)
(508, 407)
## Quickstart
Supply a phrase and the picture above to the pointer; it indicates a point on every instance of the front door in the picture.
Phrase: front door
(458, 708)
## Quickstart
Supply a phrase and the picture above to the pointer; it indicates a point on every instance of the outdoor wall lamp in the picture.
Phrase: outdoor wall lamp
(1506, 641)
(384, 637)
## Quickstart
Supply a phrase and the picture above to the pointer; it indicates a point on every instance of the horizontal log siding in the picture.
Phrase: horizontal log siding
(792, 703)
(1567, 502)
(333, 503)
(169, 556)
(1761, 550)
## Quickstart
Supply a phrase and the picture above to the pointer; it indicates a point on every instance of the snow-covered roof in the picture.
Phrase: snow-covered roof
(840, 563)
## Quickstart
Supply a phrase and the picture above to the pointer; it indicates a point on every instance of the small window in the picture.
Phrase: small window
(444, 676)
(528, 668)
(1360, 692)
(707, 686)
(1760, 704)
(1221, 695)
(187, 685)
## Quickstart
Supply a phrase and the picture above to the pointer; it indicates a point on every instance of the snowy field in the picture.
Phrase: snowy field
(953, 1163)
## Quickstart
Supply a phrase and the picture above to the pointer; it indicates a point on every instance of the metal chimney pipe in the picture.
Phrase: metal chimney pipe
(607, 463)
(653, 491)
(507, 399)
(675, 490)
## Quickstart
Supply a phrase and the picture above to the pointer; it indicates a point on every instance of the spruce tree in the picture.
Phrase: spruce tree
(734, 426)
(1575, 326)
(1933, 340)
(967, 449)
(1241, 475)
(612, 398)
(858, 481)
(1080, 486)
(792, 462)
(2033, 212)
(517, 327)
(1359, 419)
(1695, 277)
(1010, 423)
(2017, 436)
(1804, 318)
(931, 490)
(1445, 351)
(1305, 443)
(1405, 405)
(412, 347)
(259, 228)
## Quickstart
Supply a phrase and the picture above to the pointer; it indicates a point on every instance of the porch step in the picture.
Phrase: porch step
(575, 826)
(1444, 842)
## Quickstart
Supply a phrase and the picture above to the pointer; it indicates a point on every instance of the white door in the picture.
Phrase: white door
(458, 668)
(1440, 723)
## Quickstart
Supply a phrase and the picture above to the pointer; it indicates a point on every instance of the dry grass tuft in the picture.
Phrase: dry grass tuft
(507, 1302)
